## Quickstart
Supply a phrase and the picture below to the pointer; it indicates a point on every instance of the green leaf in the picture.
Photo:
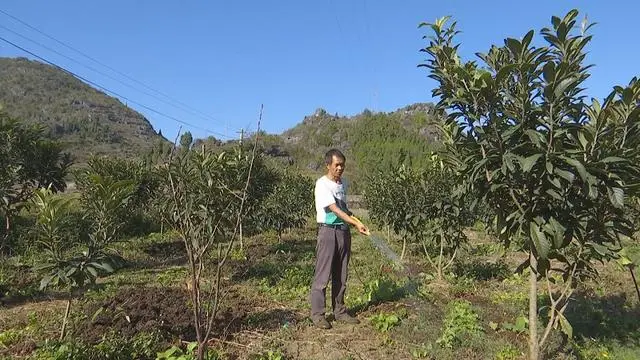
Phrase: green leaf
(613, 159)
(562, 87)
(539, 240)
(578, 166)
(521, 323)
(92, 271)
(616, 196)
(549, 72)
(106, 267)
(493, 325)
(528, 162)
(45, 281)
(192, 346)
(567, 175)
(514, 46)
(97, 313)
(554, 194)
(565, 325)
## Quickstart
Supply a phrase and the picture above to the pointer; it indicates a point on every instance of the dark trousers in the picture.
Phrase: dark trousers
(333, 251)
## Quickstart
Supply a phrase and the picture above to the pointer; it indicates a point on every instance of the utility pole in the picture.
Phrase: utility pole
(241, 135)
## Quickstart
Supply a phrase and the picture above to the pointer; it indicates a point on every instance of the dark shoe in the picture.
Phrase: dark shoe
(346, 318)
(321, 323)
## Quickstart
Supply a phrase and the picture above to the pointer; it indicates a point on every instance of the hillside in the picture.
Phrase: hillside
(371, 141)
(85, 119)
(91, 122)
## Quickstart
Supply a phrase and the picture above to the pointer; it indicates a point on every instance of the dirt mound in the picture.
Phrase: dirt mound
(140, 309)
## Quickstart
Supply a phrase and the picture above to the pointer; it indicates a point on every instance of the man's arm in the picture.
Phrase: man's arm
(348, 219)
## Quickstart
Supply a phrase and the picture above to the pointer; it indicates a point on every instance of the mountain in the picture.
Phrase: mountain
(86, 120)
(370, 141)
(91, 122)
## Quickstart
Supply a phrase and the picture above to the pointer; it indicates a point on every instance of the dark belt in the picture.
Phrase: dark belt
(337, 226)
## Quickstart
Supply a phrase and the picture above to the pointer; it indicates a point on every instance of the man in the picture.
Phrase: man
(333, 249)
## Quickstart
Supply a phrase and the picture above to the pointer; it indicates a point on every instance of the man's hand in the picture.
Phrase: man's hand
(360, 226)
(362, 229)
(351, 220)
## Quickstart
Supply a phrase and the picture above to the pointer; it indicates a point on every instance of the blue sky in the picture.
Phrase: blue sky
(225, 58)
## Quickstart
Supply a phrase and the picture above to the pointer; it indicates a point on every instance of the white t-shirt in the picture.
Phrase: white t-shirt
(328, 192)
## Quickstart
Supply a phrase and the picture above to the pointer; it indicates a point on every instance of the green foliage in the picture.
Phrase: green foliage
(555, 169)
(205, 198)
(144, 180)
(106, 202)
(381, 289)
(288, 205)
(177, 353)
(461, 320)
(509, 352)
(268, 355)
(102, 206)
(186, 140)
(520, 325)
(290, 284)
(370, 141)
(113, 347)
(422, 351)
(384, 322)
(542, 161)
(421, 205)
(84, 119)
(9, 337)
(52, 222)
(27, 161)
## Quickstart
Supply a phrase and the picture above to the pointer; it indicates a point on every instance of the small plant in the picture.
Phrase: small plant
(384, 322)
(422, 351)
(9, 337)
(509, 352)
(293, 283)
(176, 353)
(380, 290)
(269, 355)
(459, 321)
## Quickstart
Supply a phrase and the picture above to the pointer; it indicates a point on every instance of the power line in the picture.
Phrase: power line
(109, 91)
(105, 65)
(104, 74)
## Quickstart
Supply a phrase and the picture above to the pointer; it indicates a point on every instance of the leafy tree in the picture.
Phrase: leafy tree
(144, 179)
(186, 140)
(422, 206)
(288, 205)
(555, 168)
(69, 268)
(206, 194)
(28, 161)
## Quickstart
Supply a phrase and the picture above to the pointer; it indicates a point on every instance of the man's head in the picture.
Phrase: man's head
(334, 159)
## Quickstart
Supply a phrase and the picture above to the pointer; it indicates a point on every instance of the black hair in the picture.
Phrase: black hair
(328, 157)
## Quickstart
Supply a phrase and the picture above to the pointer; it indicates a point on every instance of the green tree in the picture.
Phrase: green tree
(288, 205)
(143, 177)
(423, 206)
(555, 168)
(205, 198)
(28, 161)
(186, 140)
(74, 270)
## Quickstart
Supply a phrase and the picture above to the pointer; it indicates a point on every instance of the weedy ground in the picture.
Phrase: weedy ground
(478, 312)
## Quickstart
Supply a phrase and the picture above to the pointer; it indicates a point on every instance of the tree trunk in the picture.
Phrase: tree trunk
(404, 247)
(240, 233)
(633, 276)
(5, 236)
(533, 309)
(63, 331)
(202, 347)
